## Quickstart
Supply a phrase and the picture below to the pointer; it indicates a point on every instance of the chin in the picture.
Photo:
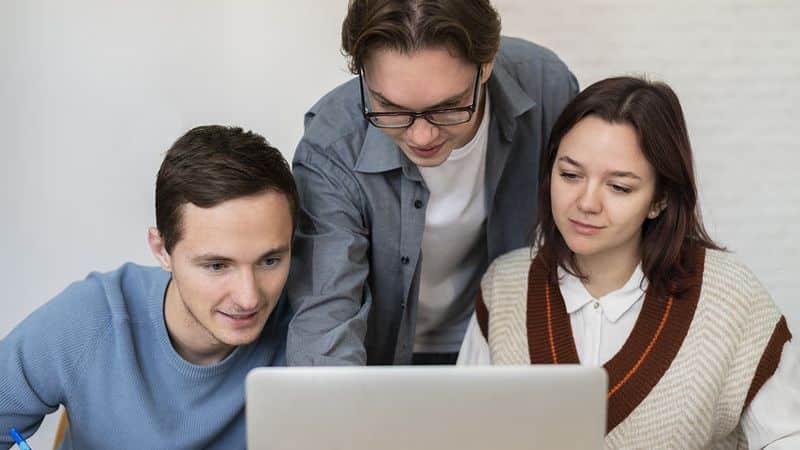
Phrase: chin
(238, 338)
(581, 247)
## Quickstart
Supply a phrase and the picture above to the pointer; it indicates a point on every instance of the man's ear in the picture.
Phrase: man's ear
(486, 71)
(157, 246)
(656, 208)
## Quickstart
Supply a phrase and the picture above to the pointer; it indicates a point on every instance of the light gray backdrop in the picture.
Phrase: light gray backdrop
(93, 92)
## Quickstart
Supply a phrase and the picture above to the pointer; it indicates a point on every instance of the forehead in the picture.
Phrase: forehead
(241, 229)
(600, 145)
(420, 78)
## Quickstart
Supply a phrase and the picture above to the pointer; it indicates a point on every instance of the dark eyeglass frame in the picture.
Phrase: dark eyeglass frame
(373, 117)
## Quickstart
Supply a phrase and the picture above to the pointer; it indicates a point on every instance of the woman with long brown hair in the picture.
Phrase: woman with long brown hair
(624, 275)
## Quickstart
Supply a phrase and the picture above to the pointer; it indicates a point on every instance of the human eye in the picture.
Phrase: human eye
(569, 176)
(620, 189)
(270, 261)
(449, 116)
(386, 106)
(215, 267)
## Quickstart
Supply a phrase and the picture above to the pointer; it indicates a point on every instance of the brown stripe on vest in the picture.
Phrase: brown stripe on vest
(549, 332)
(769, 359)
(482, 314)
(654, 342)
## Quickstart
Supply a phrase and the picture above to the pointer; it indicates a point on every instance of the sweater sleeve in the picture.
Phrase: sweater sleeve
(40, 359)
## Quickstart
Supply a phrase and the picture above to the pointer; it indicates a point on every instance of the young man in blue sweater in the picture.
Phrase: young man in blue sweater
(155, 357)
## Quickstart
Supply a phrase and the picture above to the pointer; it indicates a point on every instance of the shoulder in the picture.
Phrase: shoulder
(520, 257)
(333, 126)
(514, 264)
(722, 270)
(539, 72)
(525, 59)
(66, 329)
(520, 51)
(87, 306)
(733, 290)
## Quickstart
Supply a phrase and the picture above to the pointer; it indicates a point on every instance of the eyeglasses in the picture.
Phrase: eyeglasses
(404, 119)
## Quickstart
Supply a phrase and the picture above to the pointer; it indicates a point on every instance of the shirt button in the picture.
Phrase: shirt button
(418, 204)
(596, 305)
(404, 260)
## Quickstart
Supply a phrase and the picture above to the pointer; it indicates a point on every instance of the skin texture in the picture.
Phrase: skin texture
(602, 191)
(423, 80)
(228, 271)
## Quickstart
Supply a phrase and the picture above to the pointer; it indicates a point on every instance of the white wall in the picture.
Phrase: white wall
(93, 92)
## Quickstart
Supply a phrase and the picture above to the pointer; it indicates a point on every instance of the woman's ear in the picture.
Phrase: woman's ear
(656, 208)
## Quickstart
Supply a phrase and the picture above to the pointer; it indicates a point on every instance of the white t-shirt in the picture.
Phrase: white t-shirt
(453, 243)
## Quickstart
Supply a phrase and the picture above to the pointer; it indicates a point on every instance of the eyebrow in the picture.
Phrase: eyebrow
(614, 173)
(443, 104)
(209, 257)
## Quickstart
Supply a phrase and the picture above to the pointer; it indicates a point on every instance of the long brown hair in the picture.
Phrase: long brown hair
(654, 112)
(470, 28)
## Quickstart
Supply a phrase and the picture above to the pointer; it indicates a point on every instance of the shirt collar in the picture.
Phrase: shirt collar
(615, 303)
(510, 100)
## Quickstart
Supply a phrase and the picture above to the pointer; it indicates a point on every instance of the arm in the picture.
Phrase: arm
(772, 420)
(327, 287)
(474, 349)
(38, 358)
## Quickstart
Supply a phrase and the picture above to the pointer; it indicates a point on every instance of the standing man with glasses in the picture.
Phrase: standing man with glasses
(413, 177)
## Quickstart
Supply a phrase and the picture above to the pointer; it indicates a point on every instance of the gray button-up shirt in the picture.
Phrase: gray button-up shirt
(356, 259)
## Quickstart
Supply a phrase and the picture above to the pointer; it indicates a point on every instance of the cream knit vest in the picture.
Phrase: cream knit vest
(697, 403)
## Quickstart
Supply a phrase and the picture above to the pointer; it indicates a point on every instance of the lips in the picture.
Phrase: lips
(585, 228)
(426, 152)
(239, 319)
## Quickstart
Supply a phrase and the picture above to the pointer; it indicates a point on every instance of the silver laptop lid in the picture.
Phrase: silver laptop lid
(437, 408)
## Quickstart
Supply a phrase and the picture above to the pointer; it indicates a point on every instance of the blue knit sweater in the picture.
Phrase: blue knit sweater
(101, 348)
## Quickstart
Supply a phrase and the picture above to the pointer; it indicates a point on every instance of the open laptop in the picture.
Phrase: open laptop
(420, 408)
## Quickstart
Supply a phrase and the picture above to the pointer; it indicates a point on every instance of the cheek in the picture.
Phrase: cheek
(200, 287)
(630, 214)
(560, 197)
(272, 282)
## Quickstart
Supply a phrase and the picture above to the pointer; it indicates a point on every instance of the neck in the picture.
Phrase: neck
(608, 272)
(189, 338)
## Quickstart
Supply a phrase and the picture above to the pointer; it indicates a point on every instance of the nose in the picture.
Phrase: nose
(247, 293)
(589, 201)
(422, 133)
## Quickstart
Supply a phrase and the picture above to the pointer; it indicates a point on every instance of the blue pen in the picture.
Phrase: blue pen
(19, 440)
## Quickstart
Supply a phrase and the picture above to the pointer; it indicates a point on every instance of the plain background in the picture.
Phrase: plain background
(93, 92)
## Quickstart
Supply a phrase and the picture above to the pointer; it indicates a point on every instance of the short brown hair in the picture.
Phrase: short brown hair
(654, 112)
(212, 164)
(471, 28)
